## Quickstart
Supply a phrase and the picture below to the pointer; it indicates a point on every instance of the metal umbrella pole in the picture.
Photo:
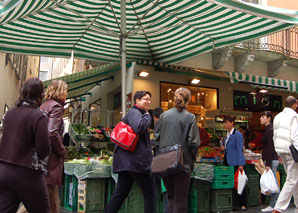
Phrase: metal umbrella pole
(123, 55)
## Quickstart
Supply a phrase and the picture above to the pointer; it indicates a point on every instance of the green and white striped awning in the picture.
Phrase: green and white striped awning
(261, 81)
(167, 31)
(81, 83)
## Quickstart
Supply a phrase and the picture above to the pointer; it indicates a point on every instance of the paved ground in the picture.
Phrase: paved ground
(257, 209)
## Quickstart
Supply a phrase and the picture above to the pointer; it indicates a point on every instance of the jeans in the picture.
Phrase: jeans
(291, 185)
(274, 197)
(125, 181)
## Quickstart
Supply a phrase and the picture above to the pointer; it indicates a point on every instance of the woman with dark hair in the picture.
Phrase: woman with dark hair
(24, 151)
(234, 156)
(54, 107)
(269, 155)
(169, 132)
(135, 166)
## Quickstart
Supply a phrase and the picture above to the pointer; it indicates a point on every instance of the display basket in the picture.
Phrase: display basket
(79, 132)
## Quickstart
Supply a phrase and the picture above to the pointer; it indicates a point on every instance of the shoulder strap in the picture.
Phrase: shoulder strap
(186, 128)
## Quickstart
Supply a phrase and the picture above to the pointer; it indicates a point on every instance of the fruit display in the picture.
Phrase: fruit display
(100, 134)
(211, 152)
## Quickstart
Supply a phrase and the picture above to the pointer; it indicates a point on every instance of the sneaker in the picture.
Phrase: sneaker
(267, 209)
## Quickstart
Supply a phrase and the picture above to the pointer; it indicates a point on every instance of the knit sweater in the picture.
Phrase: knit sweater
(25, 129)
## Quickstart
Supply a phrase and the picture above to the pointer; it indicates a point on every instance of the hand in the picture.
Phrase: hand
(240, 168)
(279, 159)
(222, 147)
(267, 168)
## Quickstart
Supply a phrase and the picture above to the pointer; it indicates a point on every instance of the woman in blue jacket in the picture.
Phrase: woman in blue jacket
(233, 146)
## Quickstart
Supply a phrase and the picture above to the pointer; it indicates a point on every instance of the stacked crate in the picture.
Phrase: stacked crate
(71, 193)
(199, 195)
(253, 186)
(110, 189)
(91, 195)
(221, 193)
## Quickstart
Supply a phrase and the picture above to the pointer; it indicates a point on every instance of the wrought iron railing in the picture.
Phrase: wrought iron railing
(285, 42)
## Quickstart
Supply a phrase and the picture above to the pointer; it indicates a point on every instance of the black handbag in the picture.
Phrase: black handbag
(169, 160)
(294, 153)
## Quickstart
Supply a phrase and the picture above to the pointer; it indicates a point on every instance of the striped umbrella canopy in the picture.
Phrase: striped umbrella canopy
(159, 30)
(167, 31)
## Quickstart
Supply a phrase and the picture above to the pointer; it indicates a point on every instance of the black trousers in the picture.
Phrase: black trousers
(177, 192)
(125, 181)
(20, 184)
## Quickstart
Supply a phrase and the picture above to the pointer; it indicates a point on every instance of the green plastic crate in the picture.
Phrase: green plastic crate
(222, 184)
(192, 201)
(61, 190)
(223, 170)
(221, 200)
(253, 196)
(79, 132)
(203, 195)
(71, 193)
(224, 177)
(110, 189)
(250, 169)
(91, 195)
(134, 202)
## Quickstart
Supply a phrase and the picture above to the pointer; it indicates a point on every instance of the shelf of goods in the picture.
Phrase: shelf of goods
(210, 155)
(214, 120)
(85, 181)
(79, 133)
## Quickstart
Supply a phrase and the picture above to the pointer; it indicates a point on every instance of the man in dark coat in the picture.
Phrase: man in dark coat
(135, 166)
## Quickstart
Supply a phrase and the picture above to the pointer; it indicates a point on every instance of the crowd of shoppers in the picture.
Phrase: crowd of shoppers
(31, 147)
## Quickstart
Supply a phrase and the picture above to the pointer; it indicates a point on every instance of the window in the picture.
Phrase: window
(203, 99)
(43, 75)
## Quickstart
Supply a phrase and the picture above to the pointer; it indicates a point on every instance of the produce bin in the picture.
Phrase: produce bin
(71, 193)
(79, 132)
(91, 195)
(221, 200)
(202, 194)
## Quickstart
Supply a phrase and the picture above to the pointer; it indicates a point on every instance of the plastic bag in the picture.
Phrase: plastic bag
(242, 181)
(268, 183)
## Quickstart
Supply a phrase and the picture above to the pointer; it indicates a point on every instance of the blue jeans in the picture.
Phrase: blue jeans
(274, 196)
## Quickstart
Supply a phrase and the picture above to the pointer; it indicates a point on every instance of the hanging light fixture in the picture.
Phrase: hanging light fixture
(195, 81)
(143, 74)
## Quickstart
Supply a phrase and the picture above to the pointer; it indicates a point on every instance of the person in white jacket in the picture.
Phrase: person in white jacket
(285, 133)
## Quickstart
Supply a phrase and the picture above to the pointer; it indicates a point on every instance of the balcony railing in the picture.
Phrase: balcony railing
(285, 42)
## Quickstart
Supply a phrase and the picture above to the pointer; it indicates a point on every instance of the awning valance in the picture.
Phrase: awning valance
(195, 72)
(81, 83)
(262, 81)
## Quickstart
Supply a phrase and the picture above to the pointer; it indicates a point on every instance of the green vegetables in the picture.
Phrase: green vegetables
(80, 129)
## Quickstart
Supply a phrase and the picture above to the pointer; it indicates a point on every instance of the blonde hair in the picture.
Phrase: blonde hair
(56, 90)
(181, 98)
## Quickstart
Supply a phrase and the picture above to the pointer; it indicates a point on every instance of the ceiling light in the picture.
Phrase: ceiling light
(195, 81)
(263, 91)
(143, 74)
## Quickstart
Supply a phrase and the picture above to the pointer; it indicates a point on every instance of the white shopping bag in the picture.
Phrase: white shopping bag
(268, 183)
(242, 181)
